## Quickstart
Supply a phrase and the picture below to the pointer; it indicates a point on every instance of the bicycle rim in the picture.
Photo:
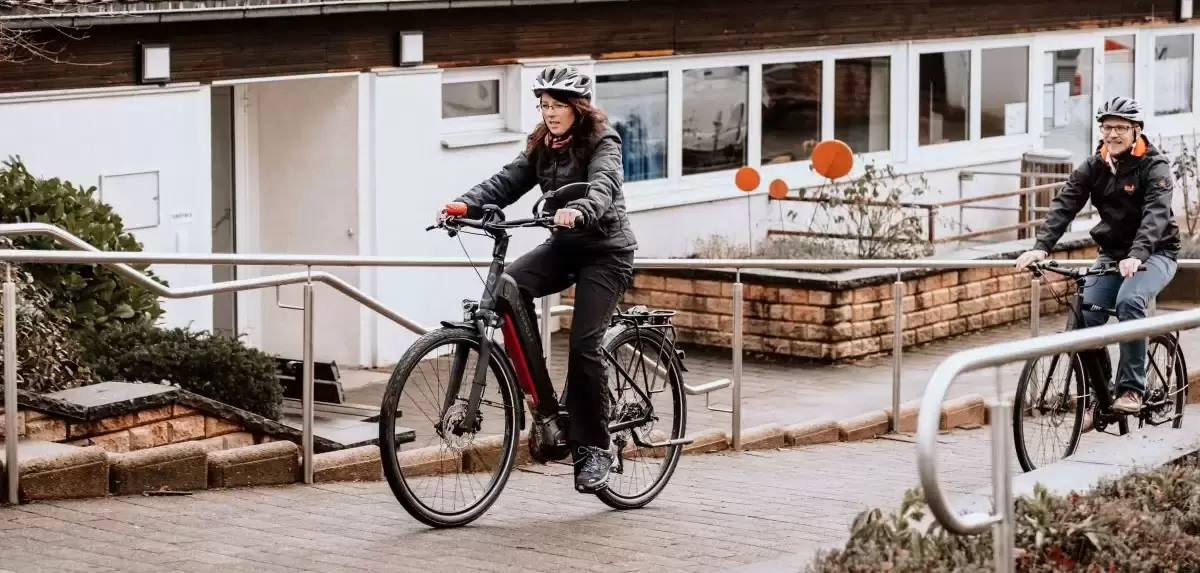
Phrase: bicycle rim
(1043, 401)
(638, 383)
(443, 465)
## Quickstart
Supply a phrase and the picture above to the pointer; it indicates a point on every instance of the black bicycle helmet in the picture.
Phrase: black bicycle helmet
(1122, 107)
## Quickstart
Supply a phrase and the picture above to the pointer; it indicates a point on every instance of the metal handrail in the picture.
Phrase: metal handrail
(929, 418)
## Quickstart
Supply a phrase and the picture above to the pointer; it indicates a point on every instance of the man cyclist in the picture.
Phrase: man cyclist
(1129, 182)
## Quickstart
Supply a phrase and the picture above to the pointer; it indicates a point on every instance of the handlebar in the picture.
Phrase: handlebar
(1052, 266)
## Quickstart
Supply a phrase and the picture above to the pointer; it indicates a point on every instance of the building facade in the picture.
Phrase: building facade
(340, 127)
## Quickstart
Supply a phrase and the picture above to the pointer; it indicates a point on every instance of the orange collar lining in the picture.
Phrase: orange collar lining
(1139, 148)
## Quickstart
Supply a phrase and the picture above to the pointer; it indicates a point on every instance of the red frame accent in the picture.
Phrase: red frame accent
(513, 345)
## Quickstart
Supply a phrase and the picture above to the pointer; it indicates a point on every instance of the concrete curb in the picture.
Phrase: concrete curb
(272, 463)
(174, 467)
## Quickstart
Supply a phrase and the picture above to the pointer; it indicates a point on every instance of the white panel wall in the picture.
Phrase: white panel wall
(81, 135)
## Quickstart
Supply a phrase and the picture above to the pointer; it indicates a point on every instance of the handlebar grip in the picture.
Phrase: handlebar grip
(579, 221)
(456, 209)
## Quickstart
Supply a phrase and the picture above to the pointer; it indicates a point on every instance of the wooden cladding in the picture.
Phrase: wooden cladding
(226, 49)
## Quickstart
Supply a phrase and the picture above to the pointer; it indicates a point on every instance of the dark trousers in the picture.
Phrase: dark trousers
(600, 279)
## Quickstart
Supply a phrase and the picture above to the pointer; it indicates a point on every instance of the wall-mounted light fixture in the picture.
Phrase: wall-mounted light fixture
(1185, 10)
(410, 48)
(154, 63)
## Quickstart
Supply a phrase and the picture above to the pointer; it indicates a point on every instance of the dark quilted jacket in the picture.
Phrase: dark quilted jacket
(598, 161)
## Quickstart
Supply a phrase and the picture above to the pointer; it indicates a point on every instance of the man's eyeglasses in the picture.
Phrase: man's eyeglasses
(1118, 129)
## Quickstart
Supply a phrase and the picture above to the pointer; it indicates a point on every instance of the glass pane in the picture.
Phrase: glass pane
(791, 111)
(1067, 110)
(466, 99)
(1005, 85)
(714, 119)
(862, 103)
(1118, 66)
(1172, 74)
(945, 79)
(636, 105)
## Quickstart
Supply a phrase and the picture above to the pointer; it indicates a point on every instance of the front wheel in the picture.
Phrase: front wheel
(452, 460)
(645, 388)
(1049, 410)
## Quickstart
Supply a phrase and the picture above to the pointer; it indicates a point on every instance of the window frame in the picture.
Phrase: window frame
(717, 184)
(476, 123)
(1151, 40)
(930, 153)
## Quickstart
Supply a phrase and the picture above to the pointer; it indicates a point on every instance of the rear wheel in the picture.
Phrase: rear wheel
(1166, 382)
(428, 391)
(643, 381)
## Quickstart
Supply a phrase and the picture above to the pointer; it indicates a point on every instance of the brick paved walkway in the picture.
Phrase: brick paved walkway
(720, 512)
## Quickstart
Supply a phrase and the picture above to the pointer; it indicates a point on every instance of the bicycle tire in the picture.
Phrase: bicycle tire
(513, 412)
(1079, 374)
(679, 408)
(1171, 344)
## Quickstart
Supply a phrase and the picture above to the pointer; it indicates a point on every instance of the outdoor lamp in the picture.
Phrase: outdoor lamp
(410, 48)
(155, 63)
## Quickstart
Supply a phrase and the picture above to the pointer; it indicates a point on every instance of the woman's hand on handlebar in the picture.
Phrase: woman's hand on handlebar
(566, 217)
(450, 211)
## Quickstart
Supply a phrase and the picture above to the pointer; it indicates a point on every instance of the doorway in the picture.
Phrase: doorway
(224, 236)
(1067, 110)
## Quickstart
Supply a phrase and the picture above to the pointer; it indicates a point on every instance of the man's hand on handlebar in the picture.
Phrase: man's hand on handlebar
(1131, 266)
(1029, 257)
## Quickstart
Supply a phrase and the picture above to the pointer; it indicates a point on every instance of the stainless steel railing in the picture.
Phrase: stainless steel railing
(996, 355)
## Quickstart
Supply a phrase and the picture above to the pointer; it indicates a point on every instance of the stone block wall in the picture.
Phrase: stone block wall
(815, 319)
(143, 429)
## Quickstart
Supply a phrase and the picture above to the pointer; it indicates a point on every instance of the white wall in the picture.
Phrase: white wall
(302, 198)
(80, 135)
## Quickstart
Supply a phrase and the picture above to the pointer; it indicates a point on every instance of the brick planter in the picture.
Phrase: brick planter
(846, 315)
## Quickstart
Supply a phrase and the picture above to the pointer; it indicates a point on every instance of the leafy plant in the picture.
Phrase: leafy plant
(870, 212)
(47, 354)
(90, 296)
(1145, 522)
(214, 366)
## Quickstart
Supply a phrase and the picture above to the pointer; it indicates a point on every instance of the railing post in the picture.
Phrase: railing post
(897, 347)
(307, 391)
(545, 321)
(736, 429)
(1004, 532)
(1035, 306)
(12, 464)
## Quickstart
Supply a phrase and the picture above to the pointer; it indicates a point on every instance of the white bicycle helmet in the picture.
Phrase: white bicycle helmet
(562, 78)
(1123, 107)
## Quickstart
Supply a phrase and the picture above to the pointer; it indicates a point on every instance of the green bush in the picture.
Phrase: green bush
(213, 366)
(47, 353)
(90, 296)
(1143, 523)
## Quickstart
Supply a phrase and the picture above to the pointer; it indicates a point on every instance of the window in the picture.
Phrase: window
(862, 103)
(1173, 74)
(636, 105)
(714, 119)
(945, 96)
(470, 98)
(1004, 91)
(791, 111)
(1118, 66)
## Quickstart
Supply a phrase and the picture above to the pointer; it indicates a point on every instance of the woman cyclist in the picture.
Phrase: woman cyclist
(573, 143)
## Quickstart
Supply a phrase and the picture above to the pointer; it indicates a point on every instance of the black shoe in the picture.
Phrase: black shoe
(592, 467)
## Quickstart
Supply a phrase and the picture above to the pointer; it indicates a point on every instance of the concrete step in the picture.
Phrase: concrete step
(347, 432)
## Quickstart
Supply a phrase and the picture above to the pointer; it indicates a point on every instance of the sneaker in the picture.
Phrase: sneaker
(592, 467)
(1129, 403)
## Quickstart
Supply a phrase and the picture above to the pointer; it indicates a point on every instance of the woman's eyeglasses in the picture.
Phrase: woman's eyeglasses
(555, 106)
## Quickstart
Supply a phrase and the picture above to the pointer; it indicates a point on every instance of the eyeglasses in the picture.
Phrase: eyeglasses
(556, 107)
(1119, 129)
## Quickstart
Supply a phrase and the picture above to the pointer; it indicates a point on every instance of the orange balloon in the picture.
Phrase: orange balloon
(832, 158)
(747, 179)
(778, 189)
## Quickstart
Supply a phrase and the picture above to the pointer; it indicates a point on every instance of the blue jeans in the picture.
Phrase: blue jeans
(1130, 297)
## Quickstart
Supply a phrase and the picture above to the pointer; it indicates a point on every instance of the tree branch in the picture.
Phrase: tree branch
(30, 39)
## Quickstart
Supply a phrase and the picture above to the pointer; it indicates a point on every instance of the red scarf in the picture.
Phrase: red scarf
(557, 142)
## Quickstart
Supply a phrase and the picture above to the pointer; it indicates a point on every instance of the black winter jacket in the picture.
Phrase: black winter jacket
(1136, 217)
(597, 161)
